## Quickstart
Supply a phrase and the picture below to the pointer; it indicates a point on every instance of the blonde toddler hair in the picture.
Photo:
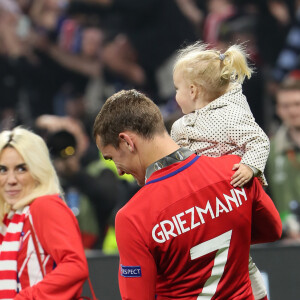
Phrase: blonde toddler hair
(212, 70)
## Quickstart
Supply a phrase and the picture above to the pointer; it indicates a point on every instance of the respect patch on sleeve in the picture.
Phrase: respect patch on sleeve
(131, 271)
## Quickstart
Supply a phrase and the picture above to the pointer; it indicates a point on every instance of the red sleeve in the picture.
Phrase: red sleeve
(266, 223)
(58, 232)
(137, 270)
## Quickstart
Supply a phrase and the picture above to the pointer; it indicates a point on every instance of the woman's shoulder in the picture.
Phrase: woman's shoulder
(47, 202)
(50, 208)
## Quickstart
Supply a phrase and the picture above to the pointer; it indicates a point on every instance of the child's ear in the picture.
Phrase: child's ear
(193, 91)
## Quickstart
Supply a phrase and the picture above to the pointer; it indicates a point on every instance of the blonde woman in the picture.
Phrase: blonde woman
(217, 118)
(41, 253)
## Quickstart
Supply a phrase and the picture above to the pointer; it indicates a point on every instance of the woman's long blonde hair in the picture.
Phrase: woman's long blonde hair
(35, 153)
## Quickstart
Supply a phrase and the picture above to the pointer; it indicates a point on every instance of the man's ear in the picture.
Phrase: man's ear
(124, 137)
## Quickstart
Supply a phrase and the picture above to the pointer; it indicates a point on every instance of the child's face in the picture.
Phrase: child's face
(183, 92)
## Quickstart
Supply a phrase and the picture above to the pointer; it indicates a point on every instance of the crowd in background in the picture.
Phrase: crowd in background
(61, 59)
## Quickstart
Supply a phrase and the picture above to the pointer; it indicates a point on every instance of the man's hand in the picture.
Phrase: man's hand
(242, 175)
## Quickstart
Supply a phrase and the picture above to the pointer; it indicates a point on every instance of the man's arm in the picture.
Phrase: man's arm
(137, 269)
(266, 223)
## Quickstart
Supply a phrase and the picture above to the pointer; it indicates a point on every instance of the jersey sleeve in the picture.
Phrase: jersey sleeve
(137, 269)
(266, 223)
(58, 232)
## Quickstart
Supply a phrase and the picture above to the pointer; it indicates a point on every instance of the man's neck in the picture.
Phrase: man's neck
(178, 155)
(157, 148)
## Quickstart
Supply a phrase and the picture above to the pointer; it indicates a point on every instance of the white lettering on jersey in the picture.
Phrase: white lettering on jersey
(192, 212)
(186, 221)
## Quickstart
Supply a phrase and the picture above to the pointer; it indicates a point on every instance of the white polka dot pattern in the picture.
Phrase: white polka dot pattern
(225, 126)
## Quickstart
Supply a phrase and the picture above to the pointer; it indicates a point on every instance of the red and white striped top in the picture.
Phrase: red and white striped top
(59, 247)
(10, 240)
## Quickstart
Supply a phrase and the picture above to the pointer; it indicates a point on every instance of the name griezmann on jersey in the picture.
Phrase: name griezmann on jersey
(195, 216)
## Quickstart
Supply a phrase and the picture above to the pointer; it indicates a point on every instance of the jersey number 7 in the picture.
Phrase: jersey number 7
(220, 243)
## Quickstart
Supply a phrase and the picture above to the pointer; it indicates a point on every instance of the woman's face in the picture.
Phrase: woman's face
(16, 182)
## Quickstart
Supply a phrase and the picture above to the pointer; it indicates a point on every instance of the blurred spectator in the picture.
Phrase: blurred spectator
(13, 50)
(91, 197)
(145, 35)
(194, 12)
(71, 48)
(283, 166)
(127, 187)
(62, 145)
(73, 104)
(48, 124)
(274, 19)
(289, 56)
(218, 12)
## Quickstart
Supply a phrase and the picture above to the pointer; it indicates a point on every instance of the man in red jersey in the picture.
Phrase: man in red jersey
(186, 234)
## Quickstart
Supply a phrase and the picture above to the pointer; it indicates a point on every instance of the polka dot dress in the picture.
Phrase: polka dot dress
(225, 126)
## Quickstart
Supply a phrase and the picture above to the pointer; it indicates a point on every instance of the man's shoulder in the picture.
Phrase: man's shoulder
(224, 159)
(137, 202)
(216, 169)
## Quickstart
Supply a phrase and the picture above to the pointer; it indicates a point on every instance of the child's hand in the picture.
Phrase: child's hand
(241, 176)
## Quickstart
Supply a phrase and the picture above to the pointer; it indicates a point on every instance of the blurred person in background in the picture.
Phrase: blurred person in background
(288, 57)
(14, 59)
(217, 12)
(283, 166)
(30, 78)
(143, 37)
(280, 47)
(41, 252)
(78, 50)
(93, 191)
(48, 56)
(62, 146)
(274, 20)
(194, 10)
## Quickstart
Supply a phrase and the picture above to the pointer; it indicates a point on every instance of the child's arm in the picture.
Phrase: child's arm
(243, 174)
(252, 140)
